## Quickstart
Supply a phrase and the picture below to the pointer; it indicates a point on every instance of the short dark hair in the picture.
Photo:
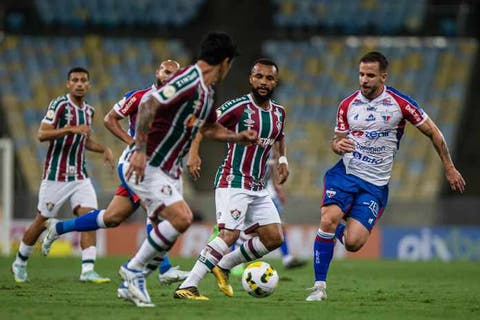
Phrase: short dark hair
(216, 46)
(267, 62)
(375, 56)
(77, 69)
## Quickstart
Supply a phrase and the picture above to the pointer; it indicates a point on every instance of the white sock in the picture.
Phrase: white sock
(158, 242)
(100, 221)
(23, 254)
(209, 257)
(88, 258)
(251, 249)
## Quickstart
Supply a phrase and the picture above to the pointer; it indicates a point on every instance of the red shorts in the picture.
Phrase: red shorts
(123, 192)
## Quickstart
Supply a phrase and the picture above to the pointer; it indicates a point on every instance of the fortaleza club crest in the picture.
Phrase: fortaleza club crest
(235, 214)
(330, 193)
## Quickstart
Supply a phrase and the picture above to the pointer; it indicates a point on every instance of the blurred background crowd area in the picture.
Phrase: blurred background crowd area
(432, 46)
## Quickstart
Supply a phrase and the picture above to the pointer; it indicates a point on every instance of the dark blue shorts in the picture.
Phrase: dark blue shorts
(358, 199)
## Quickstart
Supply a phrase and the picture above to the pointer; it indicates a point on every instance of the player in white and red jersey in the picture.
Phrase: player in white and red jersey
(67, 127)
(167, 121)
(370, 124)
(242, 202)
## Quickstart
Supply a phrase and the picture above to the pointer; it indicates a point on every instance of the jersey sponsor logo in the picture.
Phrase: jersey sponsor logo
(266, 142)
(355, 117)
(387, 102)
(414, 112)
(357, 102)
(71, 171)
(373, 206)
(376, 134)
(235, 213)
(365, 158)
(356, 133)
(129, 104)
(192, 121)
(370, 149)
(330, 193)
(371, 117)
(371, 108)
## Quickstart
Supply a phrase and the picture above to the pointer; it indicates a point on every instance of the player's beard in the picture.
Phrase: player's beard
(261, 98)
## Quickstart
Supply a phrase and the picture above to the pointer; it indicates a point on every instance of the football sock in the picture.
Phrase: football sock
(88, 258)
(322, 254)
(163, 264)
(340, 232)
(209, 257)
(158, 242)
(93, 220)
(284, 247)
(251, 249)
(23, 254)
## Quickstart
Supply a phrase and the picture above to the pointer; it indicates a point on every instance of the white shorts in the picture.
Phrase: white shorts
(240, 209)
(53, 194)
(157, 190)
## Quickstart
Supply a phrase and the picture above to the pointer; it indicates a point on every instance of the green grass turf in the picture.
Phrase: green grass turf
(356, 290)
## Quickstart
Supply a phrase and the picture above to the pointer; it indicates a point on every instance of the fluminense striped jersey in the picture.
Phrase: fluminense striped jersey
(186, 104)
(244, 166)
(65, 159)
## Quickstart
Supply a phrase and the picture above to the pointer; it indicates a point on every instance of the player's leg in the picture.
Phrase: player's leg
(84, 200)
(231, 206)
(51, 196)
(30, 237)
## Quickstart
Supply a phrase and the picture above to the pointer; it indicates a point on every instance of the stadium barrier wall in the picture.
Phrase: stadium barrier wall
(402, 243)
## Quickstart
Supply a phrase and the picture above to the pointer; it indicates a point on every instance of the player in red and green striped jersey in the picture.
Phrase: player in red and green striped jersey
(167, 121)
(242, 201)
(67, 128)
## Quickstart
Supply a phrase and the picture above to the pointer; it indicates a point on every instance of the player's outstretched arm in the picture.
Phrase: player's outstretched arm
(454, 178)
(112, 123)
(216, 131)
(48, 132)
(194, 162)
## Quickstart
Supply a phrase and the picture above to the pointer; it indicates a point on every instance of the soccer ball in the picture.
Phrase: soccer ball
(259, 279)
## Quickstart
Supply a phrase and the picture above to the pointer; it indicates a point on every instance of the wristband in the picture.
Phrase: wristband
(282, 160)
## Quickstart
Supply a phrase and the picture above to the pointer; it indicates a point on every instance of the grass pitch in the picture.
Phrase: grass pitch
(356, 290)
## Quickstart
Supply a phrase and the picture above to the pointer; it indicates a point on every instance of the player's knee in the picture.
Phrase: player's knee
(182, 220)
(273, 241)
(328, 224)
(353, 245)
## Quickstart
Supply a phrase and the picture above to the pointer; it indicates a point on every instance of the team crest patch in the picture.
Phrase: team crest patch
(50, 206)
(50, 115)
(230, 178)
(235, 213)
(331, 193)
(166, 190)
(169, 91)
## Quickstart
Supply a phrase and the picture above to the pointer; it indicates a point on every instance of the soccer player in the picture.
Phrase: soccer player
(370, 124)
(167, 121)
(67, 127)
(123, 204)
(242, 202)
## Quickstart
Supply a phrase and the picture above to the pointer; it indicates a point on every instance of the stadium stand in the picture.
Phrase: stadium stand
(34, 72)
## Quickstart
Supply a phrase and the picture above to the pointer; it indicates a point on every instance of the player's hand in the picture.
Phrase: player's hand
(455, 179)
(248, 137)
(80, 129)
(344, 145)
(108, 158)
(137, 166)
(194, 164)
(283, 173)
